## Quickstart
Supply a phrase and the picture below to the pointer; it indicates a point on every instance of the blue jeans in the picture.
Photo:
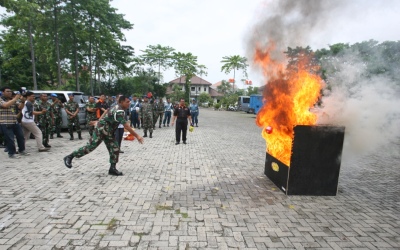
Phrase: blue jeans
(194, 117)
(9, 131)
(135, 119)
(167, 117)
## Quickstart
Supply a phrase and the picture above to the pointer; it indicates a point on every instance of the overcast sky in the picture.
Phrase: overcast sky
(211, 29)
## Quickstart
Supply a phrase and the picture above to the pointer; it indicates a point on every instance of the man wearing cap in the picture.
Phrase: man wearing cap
(56, 107)
(146, 112)
(72, 109)
(104, 131)
(46, 120)
(28, 121)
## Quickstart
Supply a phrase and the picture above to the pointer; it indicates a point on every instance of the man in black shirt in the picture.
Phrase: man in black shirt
(181, 116)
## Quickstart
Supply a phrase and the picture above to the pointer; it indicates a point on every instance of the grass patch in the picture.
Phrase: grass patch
(160, 207)
(184, 215)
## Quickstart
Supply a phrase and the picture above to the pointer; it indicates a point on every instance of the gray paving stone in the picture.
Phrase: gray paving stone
(208, 194)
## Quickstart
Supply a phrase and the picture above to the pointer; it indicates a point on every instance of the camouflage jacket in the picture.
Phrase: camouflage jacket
(71, 106)
(46, 117)
(109, 123)
(56, 109)
(159, 108)
(90, 116)
(146, 110)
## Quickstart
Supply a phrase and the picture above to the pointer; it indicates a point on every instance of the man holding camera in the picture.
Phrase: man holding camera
(9, 126)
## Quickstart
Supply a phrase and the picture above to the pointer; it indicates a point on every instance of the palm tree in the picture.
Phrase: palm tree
(234, 63)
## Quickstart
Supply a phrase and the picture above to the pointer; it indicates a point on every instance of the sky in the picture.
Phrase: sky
(212, 29)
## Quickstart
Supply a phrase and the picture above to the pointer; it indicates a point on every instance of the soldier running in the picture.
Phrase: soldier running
(105, 131)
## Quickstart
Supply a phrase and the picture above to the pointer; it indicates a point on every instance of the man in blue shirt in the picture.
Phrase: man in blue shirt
(194, 112)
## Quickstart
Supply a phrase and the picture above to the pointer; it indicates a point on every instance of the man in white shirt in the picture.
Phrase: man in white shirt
(28, 121)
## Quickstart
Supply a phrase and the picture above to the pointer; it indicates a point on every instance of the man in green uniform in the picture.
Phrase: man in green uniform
(72, 109)
(46, 120)
(105, 131)
(56, 107)
(159, 112)
(91, 114)
(146, 113)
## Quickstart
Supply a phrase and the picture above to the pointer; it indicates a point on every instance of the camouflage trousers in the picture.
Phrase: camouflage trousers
(148, 124)
(159, 115)
(71, 122)
(57, 125)
(97, 138)
(46, 130)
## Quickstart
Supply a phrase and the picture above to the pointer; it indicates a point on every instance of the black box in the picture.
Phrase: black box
(314, 163)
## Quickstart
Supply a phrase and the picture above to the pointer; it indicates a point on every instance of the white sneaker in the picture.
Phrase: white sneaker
(24, 153)
(14, 156)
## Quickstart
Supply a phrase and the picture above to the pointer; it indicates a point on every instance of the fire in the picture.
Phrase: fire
(289, 95)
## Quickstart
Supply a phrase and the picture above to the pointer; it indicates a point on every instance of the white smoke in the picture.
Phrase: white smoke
(369, 107)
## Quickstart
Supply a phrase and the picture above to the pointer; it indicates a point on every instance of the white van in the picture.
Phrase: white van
(63, 96)
(243, 103)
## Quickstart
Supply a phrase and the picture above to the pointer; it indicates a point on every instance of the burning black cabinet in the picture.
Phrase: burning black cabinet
(314, 163)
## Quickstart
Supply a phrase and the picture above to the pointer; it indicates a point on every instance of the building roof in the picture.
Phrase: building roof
(215, 85)
(195, 80)
(215, 93)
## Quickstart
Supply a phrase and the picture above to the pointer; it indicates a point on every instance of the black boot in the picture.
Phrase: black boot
(145, 134)
(160, 126)
(68, 161)
(151, 134)
(71, 136)
(79, 136)
(51, 136)
(114, 171)
(59, 134)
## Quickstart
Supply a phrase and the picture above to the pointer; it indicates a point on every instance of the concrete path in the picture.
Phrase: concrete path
(208, 194)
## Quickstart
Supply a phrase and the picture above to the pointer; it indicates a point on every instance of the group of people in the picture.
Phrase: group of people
(106, 122)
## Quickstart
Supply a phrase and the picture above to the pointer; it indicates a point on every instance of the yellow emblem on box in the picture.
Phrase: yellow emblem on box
(275, 167)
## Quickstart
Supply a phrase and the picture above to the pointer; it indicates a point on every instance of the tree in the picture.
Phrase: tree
(204, 98)
(224, 87)
(234, 63)
(157, 55)
(252, 90)
(185, 64)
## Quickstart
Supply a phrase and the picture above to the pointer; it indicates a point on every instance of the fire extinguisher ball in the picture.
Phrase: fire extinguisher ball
(269, 129)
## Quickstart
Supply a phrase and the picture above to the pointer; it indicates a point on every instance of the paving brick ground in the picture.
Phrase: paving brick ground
(208, 194)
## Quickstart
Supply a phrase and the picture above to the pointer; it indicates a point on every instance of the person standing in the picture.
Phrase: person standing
(134, 111)
(46, 120)
(28, 122)
(56, 107)
(72, 109)
(105, 131)
(194, 112)
(181, 116)
(146, 113)
(168, 107)
(101, 106)
(9, 126)
(91, 114)
(159, 112)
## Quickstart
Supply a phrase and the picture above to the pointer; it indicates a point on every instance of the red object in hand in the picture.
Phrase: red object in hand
(269, 129)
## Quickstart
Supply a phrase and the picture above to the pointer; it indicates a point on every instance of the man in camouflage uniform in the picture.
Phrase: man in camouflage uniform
(56, 107)
(91, 114)
(159, 112)
(146, 113)
(45, 120)
(72, 109)
(105, 131)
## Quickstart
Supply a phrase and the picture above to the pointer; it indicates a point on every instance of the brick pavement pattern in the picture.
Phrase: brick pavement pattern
(208, 194)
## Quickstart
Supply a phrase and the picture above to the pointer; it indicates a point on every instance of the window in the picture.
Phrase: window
(193, 88)
(199, 88)
(205, 89)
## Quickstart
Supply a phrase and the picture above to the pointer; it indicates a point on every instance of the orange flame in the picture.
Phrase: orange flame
(289, 95)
